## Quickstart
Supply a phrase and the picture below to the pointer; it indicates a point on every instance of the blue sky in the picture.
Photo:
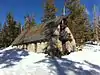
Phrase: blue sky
(20, 8)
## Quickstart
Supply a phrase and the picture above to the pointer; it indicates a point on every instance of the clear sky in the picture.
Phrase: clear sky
(20, 8)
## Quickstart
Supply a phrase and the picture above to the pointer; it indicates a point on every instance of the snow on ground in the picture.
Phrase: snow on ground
(20, 62)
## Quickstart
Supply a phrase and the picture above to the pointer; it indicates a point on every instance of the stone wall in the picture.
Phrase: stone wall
(31, 47)
(35, 47)
(70, 45)
(20, 46)
(41, 46)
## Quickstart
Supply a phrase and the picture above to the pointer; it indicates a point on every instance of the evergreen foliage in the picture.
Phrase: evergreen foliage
(29, 22)
(78, 21)
(9, 31)
(49, 10)
(49, 14)
(1, 36)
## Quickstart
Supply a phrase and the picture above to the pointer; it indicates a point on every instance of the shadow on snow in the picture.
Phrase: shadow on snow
(9, 57)
(67, 67)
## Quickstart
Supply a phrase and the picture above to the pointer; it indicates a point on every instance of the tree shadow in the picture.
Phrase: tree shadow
(53, 63)
(92, 65)
(71, 66)
(67, 67)
(9, 57)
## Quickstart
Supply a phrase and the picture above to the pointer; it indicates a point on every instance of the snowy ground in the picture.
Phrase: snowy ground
(20, 62)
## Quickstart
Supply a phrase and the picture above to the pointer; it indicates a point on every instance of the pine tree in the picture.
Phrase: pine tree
(19, 26)
(77, 20)
(18, 29)
(10, 30)
(5, 41)
(49, 14)
(49, 10)
(88, 29)
(1, 44)
(33, 21)
(29, 22)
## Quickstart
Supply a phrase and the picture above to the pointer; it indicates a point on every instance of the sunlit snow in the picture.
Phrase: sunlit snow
(14, 61)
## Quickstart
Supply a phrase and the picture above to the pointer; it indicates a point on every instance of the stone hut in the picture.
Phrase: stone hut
(33, 39)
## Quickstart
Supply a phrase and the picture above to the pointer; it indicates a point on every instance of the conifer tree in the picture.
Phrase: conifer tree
(88, 29)
(33, 21)
(50, 14)
(49, 10)
(29, 22)
(1, 36)
(5, 41)
(11, 27)
(77, 20)
(10, 30)
(18, 28)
